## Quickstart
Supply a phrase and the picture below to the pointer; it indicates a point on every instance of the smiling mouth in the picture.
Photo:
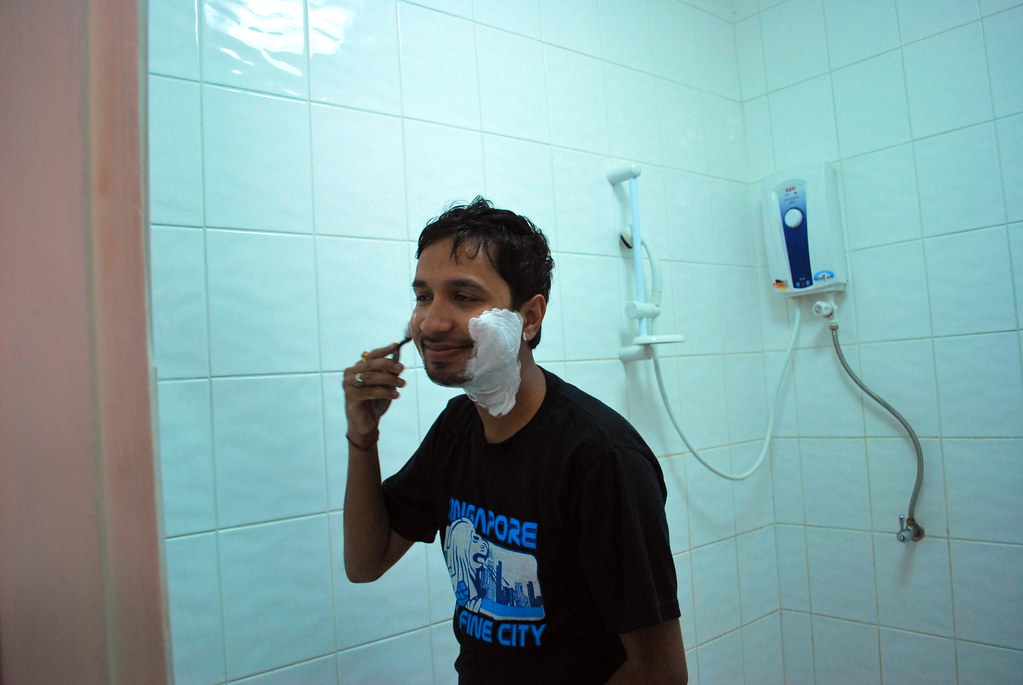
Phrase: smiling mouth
(443, 352)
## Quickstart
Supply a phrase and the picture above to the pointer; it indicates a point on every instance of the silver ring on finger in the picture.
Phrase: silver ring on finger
(358, 381)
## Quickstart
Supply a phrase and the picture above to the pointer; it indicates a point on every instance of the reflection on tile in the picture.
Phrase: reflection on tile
(673, 41)
(572, 24)
(256, 46)
(804, 53)
(576, 101)
(873, 273)
(835, 484)
(632, 114)
(353, 54)
(717, 67)
(803, 122)
(513, 98)
(870, 104)
(519, 177)
(625, 33)
(405, 659)
(858, 29)
(842, 575)
(715, 590)
(988, 486)
(845, 652)
(442, 165)
(268, 436)
(277, 594)
(874, 218)
(901, 662)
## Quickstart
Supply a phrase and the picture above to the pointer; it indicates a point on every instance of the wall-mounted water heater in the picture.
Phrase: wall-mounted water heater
(803, 231)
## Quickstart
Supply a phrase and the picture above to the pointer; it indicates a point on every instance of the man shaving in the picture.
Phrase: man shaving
(550, 506)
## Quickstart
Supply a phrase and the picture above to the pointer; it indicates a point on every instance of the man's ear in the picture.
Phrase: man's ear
(532, 313)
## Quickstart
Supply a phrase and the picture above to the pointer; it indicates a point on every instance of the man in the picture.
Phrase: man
(550, 506)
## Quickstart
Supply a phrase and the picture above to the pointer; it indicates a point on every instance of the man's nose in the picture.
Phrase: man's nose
(434, 318)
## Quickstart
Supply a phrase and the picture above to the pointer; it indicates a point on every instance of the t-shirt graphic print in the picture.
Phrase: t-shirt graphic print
(497, 589)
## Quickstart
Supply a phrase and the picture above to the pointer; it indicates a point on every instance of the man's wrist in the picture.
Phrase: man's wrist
(367, 443)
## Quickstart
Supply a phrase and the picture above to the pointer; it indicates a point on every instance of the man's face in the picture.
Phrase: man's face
(448, 293)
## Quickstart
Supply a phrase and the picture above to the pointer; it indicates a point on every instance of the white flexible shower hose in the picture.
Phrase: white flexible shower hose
(770, 419)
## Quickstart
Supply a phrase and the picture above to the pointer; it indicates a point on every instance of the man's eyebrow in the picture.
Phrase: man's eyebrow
(454, 284)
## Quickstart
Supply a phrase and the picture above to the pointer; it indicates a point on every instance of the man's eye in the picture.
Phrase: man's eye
(461, 297)
(422, 298)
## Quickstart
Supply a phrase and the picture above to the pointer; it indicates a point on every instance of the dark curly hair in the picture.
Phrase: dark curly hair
(513, 244)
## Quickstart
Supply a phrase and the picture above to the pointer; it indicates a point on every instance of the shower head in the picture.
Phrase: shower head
(623, 173)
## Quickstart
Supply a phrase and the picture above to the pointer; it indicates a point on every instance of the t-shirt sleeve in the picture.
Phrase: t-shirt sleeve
(624, 541)
(407, 495)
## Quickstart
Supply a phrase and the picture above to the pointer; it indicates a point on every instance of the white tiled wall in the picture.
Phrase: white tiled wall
(298, 147)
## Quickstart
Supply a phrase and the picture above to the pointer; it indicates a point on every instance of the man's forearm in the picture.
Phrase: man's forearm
(367, 529)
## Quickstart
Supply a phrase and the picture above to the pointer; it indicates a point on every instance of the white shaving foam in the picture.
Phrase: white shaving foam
(493, 369)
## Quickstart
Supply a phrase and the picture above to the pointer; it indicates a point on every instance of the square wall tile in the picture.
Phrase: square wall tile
(787, 474)
(949, 203)
(922, 18)
(358, 174)
(442, 165)
(257, 161)
(582, 204)
(194, 603)
(675, 509)
(720, 659)
(917, 572)
(979, 297)
(688, 215)
(988, 594)
(673, 41)
(250, 46)
(353, 54)
(1005, 60)
(758, 574)
(515, 17)
(716, 590)
(803, 122)
(572, 24)
(396, 603)
(754, 498)
(178, 289)
(519, 177)
(716, 60)
(880, 198)
(647, 412)
(175, 152)
(836, 489)
(593, 337)
(947, 81)
(901, 662)
(268, 430)
(322, 671)
(683, 135)
(803, 53)
(747, 398)
(701, 400)
(173, 38)
(696, 307)
(710, 501)
(262, 301)
(828, 402)
(870, 105)
(762, 651)
(874, 272)
(632, 115)
(1010, 151)
(726, 143)
(405, 659)
(842, 576)
(1016, 249)
(759, 148)
(513, 95)
(749, 46)
(438, 67)
(277, 594)
(793, 573)
(361, 308)
(859, 29)
(901, 373)
(988, 490)
(980, 385)
(186, 457)
(979, 664)
(845, 652)
(797, 645)
(576, 102)
(625, 33)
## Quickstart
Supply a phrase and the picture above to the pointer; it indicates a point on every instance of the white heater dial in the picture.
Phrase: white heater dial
(793, 218)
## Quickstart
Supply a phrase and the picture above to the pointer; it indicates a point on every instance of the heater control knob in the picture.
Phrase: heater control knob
(793, 218)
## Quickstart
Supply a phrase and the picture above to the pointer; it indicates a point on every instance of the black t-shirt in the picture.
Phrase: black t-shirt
(555, 539)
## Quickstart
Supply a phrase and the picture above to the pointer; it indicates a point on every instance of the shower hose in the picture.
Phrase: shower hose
(909, 529)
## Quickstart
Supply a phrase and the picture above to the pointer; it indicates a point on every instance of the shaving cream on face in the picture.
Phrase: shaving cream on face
(492, 371)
